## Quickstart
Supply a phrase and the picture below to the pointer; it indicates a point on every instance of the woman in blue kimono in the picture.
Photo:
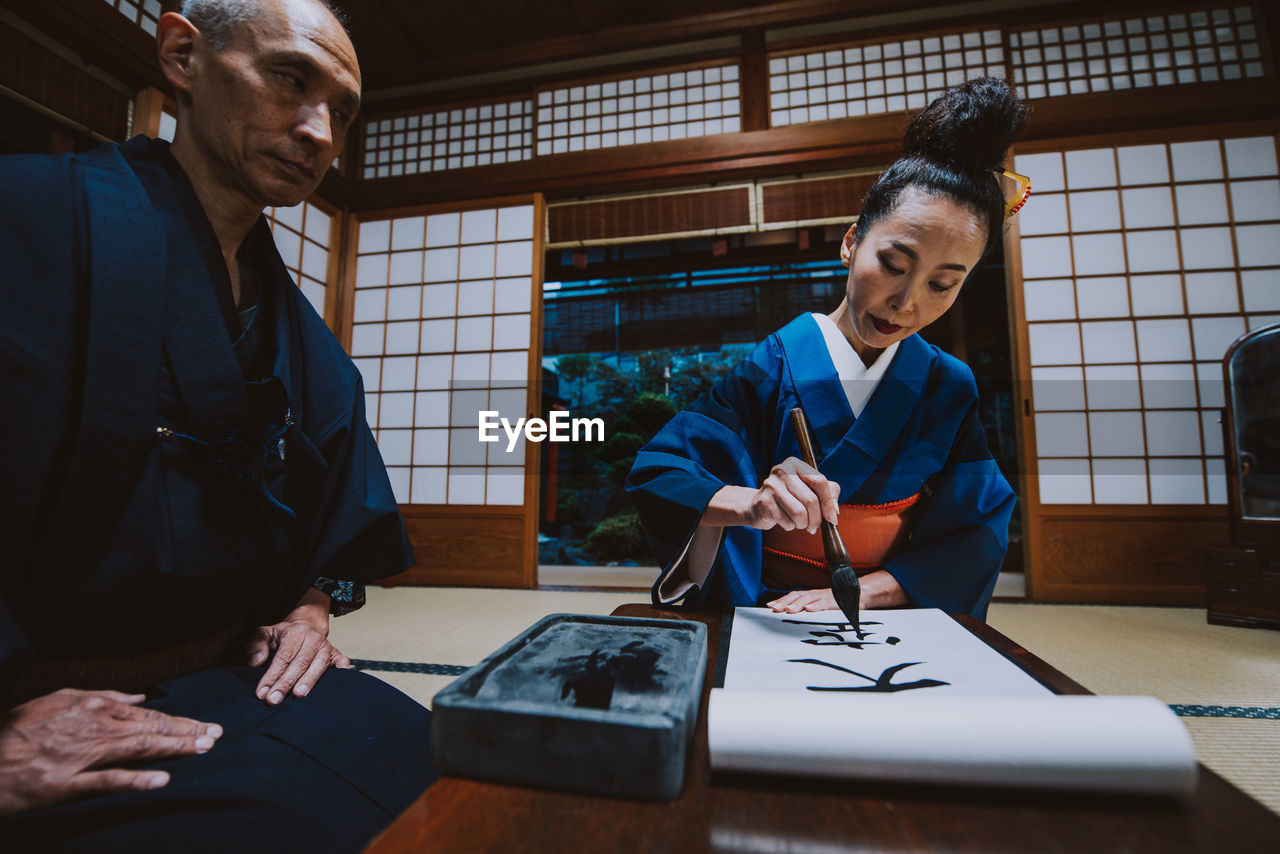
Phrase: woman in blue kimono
(731, 511)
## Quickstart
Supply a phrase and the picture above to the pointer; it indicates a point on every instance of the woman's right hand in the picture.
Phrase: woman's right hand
(795, 496)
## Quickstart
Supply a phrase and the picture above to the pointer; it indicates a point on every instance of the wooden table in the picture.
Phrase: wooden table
(783, 815)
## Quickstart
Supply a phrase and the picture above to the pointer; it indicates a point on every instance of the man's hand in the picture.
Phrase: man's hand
(69, 744)
(301, 650)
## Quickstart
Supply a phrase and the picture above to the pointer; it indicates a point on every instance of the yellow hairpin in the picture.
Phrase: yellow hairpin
(1019, 199)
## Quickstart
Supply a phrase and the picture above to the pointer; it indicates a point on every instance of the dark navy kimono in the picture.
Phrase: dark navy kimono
(919, 432)
(157, 490)
(171, 476)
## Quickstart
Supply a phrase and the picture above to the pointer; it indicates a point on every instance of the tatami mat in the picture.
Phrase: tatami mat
(627, 577)
(1169, 653)
(455, 625)
(1246, 752)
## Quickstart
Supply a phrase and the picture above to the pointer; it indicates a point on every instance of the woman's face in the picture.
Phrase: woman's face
(908, 269)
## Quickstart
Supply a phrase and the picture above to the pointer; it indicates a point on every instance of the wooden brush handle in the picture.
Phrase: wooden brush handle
(832, 545)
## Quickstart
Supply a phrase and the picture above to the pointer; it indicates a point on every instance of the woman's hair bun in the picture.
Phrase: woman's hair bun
(969, 127)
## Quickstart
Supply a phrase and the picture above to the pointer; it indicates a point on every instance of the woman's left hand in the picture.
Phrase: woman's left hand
(877, 589)
(805, 600)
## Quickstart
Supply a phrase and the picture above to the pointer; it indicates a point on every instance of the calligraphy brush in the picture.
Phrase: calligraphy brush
(844, 581)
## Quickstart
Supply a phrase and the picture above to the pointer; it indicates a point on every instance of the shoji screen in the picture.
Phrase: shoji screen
(446, 325)
(303, 235)
(144, 13)
(878, 77)
(459, 138)
(1134, 52)
(673, 104)
(1140, 265)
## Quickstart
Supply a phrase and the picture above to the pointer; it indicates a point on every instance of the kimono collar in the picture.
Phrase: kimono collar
(240, 426)
(854, 446)
(858, 380)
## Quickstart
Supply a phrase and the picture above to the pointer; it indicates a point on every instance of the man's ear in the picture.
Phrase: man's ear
(846, 246)
(175, 44)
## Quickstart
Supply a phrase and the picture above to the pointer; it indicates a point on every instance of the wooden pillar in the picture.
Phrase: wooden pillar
(147, 108)
(755, 81)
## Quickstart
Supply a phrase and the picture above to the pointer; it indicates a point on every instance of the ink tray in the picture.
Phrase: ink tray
(602, 705)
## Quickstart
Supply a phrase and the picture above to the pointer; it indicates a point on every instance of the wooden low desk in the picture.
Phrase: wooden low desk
(787, 815)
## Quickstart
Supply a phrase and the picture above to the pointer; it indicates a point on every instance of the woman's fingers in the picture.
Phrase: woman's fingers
(784, 603)
(825, 493)
(830, 492)
(804, 600)
(821, 600)
(810, 507)
(795, 496)
(775, 506)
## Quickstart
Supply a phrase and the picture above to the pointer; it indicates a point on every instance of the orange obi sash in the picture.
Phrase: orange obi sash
(872, 533)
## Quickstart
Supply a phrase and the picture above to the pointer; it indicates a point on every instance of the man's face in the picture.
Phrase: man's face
(272, 109)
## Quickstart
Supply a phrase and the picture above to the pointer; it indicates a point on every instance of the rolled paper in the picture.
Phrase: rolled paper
(1132, 745)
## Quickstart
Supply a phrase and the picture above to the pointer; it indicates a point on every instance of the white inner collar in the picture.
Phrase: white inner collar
(859, 381)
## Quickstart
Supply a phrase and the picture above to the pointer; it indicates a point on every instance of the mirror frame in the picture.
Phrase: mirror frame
(1243, 528)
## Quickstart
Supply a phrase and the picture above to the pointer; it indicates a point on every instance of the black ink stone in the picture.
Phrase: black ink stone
(604, 705)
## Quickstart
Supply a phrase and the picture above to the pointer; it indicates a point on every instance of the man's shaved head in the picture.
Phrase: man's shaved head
(218, 20)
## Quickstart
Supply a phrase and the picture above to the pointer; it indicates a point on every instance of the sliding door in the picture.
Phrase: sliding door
(1135, 265)
(445, 326)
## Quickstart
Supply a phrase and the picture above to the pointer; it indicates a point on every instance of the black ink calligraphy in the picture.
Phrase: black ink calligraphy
(882, 684)
(835, 635)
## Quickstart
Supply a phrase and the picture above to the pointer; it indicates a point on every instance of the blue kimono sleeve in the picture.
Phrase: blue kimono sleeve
(960, 532)
(718, 440)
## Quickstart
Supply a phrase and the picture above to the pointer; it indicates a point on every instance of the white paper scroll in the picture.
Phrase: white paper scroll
(767, 652)
(985, 726)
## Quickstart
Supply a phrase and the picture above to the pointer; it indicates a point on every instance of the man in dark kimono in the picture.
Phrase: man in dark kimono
(190, 483)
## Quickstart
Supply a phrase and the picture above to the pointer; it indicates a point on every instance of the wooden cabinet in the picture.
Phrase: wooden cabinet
(1243, 588)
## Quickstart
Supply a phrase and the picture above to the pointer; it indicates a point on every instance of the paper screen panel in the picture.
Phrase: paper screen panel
(145, 13)
(882, 77)
(453, 138)
(302, 236)
(442, 331)
(1136, 52)
(676, 104)
(1139, 270)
